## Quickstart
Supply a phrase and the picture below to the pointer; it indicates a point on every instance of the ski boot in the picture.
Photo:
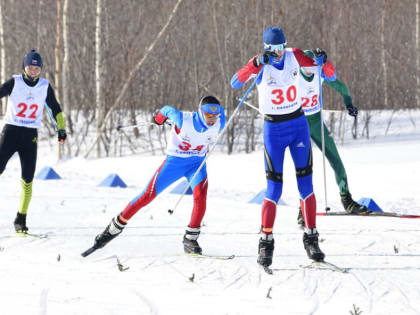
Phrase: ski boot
(113, 229)
(352, 206)
(300, 219)
(191, 245)
(265, 250)
(310, 243)
(20, 223)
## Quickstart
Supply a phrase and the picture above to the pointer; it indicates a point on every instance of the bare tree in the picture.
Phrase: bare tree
(2, 60)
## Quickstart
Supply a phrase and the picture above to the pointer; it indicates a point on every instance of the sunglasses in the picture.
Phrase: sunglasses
(208, 115)
(275, 47)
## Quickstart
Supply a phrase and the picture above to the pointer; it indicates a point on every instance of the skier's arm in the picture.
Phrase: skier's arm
(342, 89)
(245, 73)
(222, 120)
(173, 114)
(307, 58)
(55, 108)
(7, 88)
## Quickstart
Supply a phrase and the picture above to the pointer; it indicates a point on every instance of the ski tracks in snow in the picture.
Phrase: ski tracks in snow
(43, 302)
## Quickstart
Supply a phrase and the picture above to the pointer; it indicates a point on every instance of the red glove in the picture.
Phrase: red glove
(329, 70)
(158, 118)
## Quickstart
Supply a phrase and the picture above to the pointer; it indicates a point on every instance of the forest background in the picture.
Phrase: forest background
(114, 63)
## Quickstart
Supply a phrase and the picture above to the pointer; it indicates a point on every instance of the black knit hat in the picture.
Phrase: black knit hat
(32, 58)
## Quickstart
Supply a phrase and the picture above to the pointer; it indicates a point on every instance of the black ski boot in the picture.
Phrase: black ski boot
(300, 219)
(191, 245)
(20, 223)
(265, 250)
(352, 206)
(113, 229)
(310, 242)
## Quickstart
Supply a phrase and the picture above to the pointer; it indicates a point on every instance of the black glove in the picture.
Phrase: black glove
(352, 110)
(62, 135)
(320, 57)
(158, 118)
(263, 59)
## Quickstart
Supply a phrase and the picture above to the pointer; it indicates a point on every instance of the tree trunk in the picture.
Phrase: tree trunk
(98, 76)
(130, 77)
(3, 103)
(58, 38)
(383, 50)
(64, 73)
(417, 56)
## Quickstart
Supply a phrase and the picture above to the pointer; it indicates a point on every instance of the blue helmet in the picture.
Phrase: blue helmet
(32, 58)
(273, 36)
(210, 105)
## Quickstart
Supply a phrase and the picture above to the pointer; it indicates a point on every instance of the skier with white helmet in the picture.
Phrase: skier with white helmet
(277, 75)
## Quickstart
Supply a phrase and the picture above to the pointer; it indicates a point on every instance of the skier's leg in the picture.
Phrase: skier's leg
(276, 139)
(301, 152)
(168, 173)
(331, 152)
(199, 187)
(163, 177)
(27, 150)
(336, 163)
(8, 146)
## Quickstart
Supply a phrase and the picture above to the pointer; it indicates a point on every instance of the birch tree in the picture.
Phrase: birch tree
(124, 88)
(98, 76)
(2, 59)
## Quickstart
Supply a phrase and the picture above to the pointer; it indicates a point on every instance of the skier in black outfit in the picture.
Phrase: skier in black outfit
(28, 94)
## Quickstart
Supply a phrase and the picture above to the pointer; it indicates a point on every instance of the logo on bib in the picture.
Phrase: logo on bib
(30, 97)
(271, 81)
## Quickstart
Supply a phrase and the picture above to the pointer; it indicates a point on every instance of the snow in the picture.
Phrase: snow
(48, 276)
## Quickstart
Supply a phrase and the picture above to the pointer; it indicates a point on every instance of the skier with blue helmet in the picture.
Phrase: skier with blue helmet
(279, 97)
(191, 135)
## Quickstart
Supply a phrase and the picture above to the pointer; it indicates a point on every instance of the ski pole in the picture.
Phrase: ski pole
(252, 106)
(120, 127)
(322, 138)
(171, 211)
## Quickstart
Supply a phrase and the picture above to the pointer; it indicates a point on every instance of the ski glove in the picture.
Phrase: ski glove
(320, 57)
(62, 135)
(352, 110)
(263, 59)
(158, 118)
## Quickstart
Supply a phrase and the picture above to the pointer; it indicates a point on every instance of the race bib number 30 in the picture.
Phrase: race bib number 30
(279, 96)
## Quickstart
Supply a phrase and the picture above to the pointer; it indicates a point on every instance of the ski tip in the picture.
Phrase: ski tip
(26, 234)
(88, 252)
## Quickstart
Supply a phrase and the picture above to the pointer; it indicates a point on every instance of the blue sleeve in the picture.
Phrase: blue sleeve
(222, 120)
(173, 114)
(235, 83)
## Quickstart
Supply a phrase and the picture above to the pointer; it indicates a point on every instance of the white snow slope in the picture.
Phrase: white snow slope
(48, 276)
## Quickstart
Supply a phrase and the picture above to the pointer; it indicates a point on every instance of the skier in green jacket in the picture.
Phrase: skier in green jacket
(309, 84)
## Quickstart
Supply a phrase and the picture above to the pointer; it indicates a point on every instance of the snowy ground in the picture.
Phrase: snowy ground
(48, 276)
